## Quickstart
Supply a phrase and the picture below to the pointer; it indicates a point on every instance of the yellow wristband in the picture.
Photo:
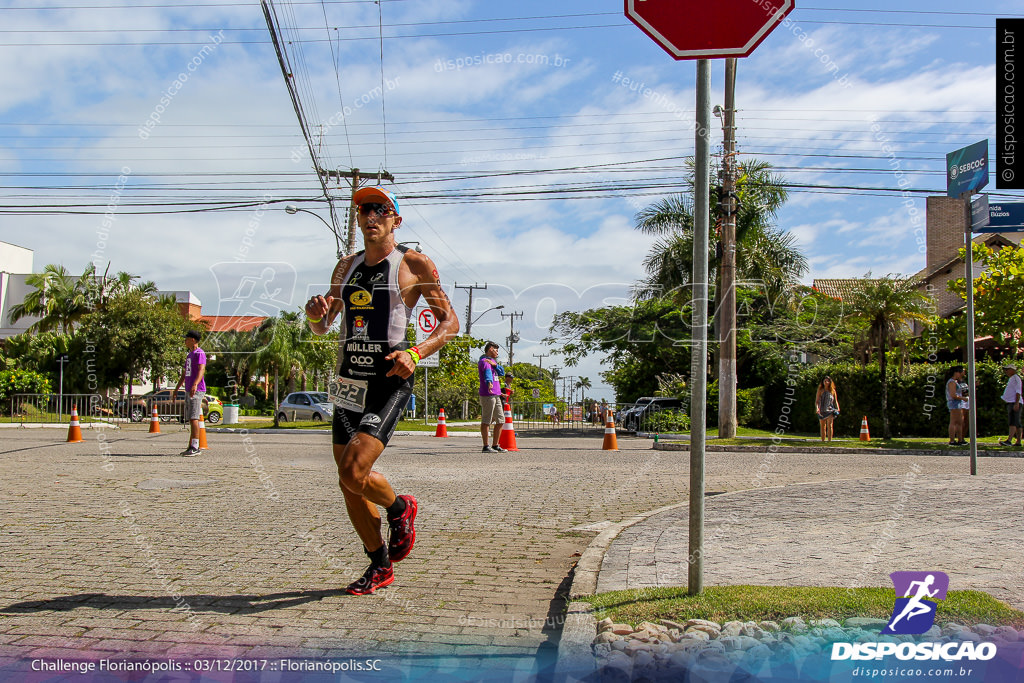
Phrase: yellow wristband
(314, 320)
(415, 355)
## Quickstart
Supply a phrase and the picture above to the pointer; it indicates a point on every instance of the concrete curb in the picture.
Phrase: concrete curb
(57, 425)
(575, 656)
(576, 659)
(711, 448)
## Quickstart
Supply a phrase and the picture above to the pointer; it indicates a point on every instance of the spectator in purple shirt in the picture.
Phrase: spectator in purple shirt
(194, 379)
(491, 411)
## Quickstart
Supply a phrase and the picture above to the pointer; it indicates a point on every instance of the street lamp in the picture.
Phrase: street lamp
(469, 325)
(292, 209)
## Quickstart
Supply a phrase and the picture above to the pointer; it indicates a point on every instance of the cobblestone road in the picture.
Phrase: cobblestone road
(207, 564)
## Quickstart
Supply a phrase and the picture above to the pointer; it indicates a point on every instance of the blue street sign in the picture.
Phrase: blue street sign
(979, 212)
(1004, 217)
(967, 169)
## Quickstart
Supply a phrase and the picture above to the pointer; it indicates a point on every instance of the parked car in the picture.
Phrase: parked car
(305, 405)
(169, 407)
(634, 418)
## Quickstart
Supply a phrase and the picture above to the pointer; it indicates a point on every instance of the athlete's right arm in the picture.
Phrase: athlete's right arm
(324, 309)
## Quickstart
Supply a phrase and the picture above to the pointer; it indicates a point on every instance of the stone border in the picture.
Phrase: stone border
(685, 446)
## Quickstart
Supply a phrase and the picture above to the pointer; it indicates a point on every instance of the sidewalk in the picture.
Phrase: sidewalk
(843, 533)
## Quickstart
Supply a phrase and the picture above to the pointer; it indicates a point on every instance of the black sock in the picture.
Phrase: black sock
(396, 509)
(379, 557)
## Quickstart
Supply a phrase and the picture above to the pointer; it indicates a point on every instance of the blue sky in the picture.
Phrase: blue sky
(520, 149)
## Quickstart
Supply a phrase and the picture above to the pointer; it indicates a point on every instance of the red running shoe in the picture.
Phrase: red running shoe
(372, 579)
(403, 533)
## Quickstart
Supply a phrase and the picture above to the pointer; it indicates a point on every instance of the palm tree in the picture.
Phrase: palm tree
(59, 300)
(886, 305)
(764, 253)
(281, 350)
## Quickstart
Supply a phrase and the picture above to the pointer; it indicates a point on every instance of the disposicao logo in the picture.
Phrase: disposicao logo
(914, 614)
(916, 593)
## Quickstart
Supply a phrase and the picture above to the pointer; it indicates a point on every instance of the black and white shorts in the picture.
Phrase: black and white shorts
(386, 399)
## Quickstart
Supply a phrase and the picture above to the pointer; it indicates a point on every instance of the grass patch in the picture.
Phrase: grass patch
(910, 443)
(773, 603)
(752, 437)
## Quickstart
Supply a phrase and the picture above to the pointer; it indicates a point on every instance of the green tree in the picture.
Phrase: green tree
(885, 306)
(280, 351)
(763, 253)
(319, 356)
(59, 299)
(36, 352)
(639, 342)
(998, 296)
(454, 381)
(132, 334)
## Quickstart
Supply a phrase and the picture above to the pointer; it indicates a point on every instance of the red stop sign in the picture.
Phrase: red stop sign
(706, 29)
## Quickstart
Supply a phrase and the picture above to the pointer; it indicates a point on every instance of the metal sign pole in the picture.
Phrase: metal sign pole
(699, 332)
(972, 419)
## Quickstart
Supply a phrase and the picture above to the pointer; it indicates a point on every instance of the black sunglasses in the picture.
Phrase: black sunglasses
(382, 210)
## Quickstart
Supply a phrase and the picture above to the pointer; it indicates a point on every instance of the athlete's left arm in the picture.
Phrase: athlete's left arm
(426, 283)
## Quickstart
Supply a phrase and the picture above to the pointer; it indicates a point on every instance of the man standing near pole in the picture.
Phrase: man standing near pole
(1012, 399)
(491, 410)
(374, 292)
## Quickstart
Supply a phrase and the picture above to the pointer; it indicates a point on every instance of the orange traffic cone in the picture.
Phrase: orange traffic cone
(154, 422)
(611, 443)
(202, 435)
(74, 430)
(507, 438)
(865, 435)
(442, 426)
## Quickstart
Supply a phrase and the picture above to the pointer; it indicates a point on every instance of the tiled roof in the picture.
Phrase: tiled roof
(839, 288)
(233, 323)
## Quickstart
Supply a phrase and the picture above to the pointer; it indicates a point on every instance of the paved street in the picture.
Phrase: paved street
(139, 551)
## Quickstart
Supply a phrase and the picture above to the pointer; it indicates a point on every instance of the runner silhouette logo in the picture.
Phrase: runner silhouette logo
(916, 596)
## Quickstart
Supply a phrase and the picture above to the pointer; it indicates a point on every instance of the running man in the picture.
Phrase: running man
(374, 292)
(914, 606)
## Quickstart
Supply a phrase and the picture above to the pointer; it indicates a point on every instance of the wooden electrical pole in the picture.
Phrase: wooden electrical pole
(354, 179)
(727, 281)
(512, 336)
(469, 309)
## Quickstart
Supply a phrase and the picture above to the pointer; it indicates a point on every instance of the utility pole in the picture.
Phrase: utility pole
(512, 336)
(469, 309)
(541, 356)
(354, 179)
(729, 206)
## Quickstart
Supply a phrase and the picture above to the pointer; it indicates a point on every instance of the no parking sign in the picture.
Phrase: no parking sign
(425, 322)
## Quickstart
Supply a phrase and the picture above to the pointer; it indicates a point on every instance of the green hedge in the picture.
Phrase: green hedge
(20, 382)
(750, 406)
(917, 403)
